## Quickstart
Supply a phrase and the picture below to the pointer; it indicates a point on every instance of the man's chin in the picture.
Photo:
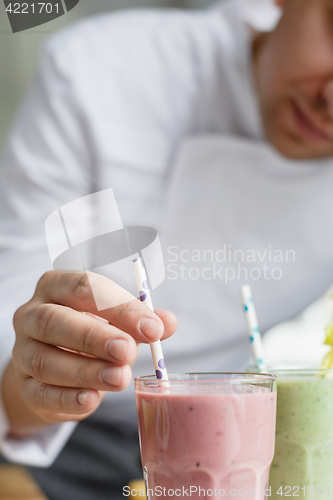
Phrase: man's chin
(291, 147)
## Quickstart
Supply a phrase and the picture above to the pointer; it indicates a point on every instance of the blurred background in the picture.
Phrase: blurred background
(19, 51)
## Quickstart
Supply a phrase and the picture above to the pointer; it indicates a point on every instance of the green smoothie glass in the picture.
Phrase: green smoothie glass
(303, 461)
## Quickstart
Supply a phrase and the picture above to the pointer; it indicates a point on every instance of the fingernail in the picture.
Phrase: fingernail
(82, 397)
(117, 349)
(111, 376)
(151, 328)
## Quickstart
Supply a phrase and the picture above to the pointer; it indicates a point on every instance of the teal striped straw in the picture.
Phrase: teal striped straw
(253, 328)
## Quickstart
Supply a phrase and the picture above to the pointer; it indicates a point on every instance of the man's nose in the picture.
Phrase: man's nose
(328, 95)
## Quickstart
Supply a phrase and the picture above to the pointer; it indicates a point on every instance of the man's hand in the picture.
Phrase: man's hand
(67, 353)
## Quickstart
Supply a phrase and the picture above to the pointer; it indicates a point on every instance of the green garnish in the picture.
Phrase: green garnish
(329, 334)
(328, 359)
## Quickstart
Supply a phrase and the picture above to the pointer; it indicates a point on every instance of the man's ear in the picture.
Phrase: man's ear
(280, 3)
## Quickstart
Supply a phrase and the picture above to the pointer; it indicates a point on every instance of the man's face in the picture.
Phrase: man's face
(294, 75)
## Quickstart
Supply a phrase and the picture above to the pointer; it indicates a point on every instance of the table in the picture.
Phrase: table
(137, 486)
(17, 484)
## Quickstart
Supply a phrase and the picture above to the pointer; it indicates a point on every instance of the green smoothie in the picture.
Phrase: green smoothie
(303, 461)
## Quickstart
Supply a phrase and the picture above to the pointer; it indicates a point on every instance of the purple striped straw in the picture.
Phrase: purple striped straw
(145, 297)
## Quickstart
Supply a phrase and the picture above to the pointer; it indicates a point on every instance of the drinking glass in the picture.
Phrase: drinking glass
(206, 435)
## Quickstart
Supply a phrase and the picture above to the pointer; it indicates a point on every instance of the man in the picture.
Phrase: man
(177, 112)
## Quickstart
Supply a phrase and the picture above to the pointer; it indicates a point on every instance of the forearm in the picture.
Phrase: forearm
(23, 421)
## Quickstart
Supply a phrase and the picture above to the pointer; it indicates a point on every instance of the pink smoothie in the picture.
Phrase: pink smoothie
(219, 438)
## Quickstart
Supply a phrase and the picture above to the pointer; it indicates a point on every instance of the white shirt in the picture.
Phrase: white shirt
(160, 106)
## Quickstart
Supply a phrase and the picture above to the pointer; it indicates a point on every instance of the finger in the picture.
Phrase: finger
(170, 322)
(125, 312)
(53, 417)
(61, 400)
(61, 326)
(98, 318)
(55, 366)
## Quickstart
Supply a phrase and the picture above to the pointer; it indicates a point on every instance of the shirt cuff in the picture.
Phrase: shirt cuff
(39, 450)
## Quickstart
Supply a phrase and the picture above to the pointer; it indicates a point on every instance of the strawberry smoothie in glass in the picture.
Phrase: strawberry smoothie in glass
(208, 435)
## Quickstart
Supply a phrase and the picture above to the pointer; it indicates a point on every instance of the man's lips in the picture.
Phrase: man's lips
(309, 125)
